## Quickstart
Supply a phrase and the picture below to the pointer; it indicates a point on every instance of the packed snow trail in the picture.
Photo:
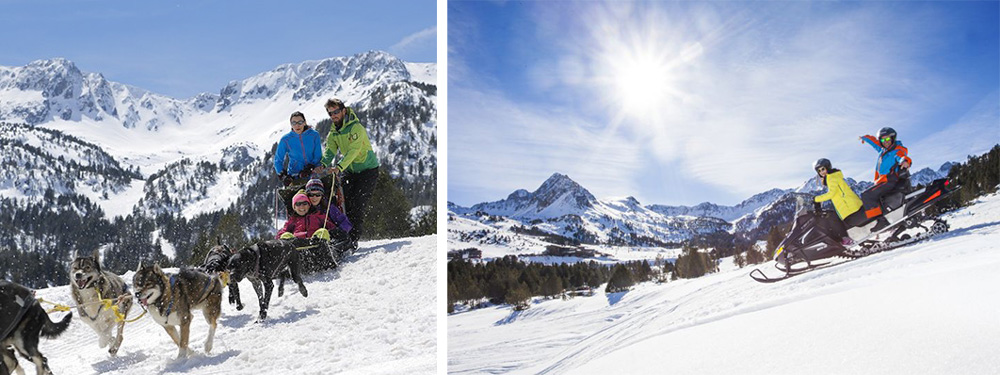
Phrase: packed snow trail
(377, 315)
(928, 307)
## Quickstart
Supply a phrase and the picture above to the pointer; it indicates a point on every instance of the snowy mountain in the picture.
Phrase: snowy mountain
(927, 175)
(89, 163)
(563, 208)
(230, 130)
(559, 195)
(727, 213)
(40, 162)
(344, 326)
(563, 212)
(924, 308)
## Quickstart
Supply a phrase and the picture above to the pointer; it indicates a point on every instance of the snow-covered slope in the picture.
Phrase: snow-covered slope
(931, 307)
(377, 315)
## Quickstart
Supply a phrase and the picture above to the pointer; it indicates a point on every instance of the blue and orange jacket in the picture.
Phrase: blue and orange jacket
(302, 150)
(888, 158)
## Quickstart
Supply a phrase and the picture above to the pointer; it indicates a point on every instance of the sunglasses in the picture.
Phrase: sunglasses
(317, 195)
(886, 139)
(335, 112)
(301, 204)
(820, 169)
(299, 122)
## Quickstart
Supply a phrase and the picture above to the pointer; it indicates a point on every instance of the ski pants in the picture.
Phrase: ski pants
(871, 199)
(358, 189)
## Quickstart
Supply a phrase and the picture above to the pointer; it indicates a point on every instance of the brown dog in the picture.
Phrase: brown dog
(171, 300)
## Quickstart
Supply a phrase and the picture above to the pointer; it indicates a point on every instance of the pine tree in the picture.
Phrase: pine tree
(518, 297)
(774, 238)
(552, 286)
(426, 223)
(621, 279)
(693, 263)
(388, 214)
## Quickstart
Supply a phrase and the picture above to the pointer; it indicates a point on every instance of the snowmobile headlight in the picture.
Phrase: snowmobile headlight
(777, 253)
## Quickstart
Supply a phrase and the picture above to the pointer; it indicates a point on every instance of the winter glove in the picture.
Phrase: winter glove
(322, 233)
(287, 236)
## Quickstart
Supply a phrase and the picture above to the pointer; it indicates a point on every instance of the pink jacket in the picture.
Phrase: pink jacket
(304, 226)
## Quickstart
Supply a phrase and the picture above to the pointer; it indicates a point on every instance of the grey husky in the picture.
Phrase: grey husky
(89, 285)
(172, 298)
(22, 321)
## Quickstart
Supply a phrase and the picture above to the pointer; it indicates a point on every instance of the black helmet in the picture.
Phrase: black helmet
(822, 162)
(886, 132)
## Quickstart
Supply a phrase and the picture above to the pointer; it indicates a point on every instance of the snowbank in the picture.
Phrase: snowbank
(375, 316)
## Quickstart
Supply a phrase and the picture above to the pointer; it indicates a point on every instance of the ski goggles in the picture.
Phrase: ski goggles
(886, 139)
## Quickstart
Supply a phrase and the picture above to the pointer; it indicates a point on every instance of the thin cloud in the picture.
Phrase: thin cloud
(419, 39)
(758, 92)
(497, 146)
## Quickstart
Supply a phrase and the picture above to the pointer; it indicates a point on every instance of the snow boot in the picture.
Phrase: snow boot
(881, 224)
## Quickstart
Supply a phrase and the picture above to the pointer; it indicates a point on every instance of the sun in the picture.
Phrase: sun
(641, 82)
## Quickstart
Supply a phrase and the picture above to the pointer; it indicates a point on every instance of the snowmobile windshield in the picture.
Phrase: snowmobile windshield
(803, 204)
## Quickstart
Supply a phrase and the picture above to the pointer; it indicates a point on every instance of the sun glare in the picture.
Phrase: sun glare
(641, 82)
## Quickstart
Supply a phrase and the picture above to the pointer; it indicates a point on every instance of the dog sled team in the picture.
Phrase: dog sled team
(325, 203)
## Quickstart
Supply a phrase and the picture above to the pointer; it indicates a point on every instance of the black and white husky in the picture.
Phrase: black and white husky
(22, 321)
(90, 284)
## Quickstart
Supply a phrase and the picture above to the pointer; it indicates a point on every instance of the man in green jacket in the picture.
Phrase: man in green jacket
(359, 163)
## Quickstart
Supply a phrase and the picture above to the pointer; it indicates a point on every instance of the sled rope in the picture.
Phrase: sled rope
(119, 316)
(56, 306)
(107, 302)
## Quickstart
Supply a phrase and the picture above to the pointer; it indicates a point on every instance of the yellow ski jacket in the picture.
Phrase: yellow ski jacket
(844, 199)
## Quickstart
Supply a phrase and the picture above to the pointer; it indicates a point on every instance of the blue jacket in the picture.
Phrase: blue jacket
(888, 158)
(301, 149)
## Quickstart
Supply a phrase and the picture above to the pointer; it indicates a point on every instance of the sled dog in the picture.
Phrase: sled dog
(89, 285)
(22, 321)
(216, 262)
(172, 299)
(260, 262)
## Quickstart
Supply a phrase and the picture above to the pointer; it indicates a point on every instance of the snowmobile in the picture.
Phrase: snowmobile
(817, 235)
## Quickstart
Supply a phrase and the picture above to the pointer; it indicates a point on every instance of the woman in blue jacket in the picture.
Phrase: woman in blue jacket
(303, 148)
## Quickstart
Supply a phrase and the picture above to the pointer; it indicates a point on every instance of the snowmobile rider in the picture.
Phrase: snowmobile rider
(359, 163)
(845, 201)
(891, 169)
(303, 147)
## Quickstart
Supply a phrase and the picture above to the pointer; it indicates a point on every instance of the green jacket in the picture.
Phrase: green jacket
(352, 141)
(844, 199)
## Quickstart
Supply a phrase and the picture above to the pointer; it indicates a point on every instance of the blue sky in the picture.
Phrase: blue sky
(183, 48)
(685, 102)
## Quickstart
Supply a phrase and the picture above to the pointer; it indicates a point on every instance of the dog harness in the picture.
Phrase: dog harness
(173, 281)
(83, 311)
(25, 305)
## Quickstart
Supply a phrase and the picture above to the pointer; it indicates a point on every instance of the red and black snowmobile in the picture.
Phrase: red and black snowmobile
(818, 235)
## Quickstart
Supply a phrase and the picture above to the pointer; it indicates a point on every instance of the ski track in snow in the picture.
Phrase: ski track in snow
(930, 307)
(376, 315)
